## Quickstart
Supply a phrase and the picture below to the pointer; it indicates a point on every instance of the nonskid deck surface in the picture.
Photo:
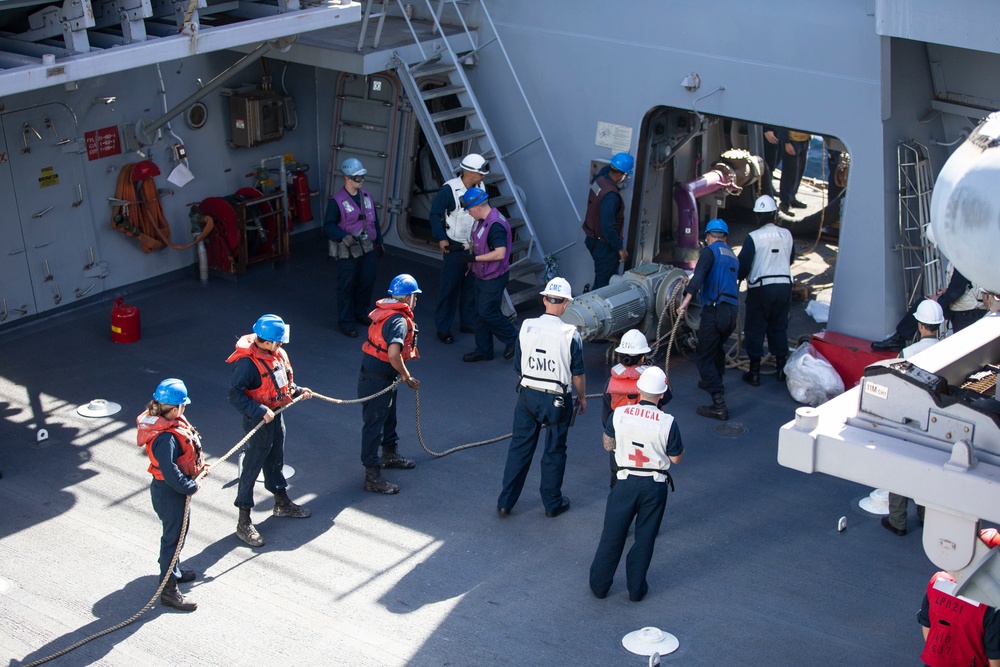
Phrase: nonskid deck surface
(749, 567)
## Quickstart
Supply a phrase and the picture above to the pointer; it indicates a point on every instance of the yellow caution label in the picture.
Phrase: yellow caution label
(48, 178)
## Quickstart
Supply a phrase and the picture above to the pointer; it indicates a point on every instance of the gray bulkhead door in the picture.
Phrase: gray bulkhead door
(46, 172)
(16, 298)
(366, 119)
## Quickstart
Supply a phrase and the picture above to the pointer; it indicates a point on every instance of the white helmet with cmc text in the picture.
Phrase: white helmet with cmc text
(558, 287)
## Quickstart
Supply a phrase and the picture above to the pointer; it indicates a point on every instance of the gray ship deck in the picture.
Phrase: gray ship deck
(749, 567)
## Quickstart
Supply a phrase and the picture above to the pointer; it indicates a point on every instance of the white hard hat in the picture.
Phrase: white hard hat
(633, 342)
(558, 287)
(765, 204)
(929, 312)
(476, 163)
(653, 381)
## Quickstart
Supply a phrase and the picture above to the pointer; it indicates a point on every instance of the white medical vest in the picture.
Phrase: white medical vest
(641, 435)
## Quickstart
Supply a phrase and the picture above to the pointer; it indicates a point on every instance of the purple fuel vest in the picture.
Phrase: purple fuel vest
(353, 219)
(480, 246)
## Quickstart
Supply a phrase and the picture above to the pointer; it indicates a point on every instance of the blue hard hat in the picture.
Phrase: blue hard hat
(172, 392)
(272, 328)
(352, 167)
(473, 197)
(623, 162)
(717, 226)
(404, 285)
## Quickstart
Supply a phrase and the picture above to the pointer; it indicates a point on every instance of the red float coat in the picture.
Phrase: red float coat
(375, 345)
(275, 370)
(149, 427)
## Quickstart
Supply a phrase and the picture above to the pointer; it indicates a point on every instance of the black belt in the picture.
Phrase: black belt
(670, 480)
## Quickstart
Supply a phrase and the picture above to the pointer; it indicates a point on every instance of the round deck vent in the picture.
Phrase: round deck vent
(731, 429)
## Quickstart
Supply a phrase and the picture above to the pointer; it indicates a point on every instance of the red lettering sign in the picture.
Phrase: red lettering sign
(104, 142)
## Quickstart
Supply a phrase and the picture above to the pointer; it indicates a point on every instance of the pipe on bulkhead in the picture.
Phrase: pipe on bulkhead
(686, 196)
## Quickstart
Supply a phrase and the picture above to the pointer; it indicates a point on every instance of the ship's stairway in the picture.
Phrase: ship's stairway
(450, 139)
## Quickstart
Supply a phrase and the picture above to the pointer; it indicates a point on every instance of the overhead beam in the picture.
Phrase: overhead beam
(131, 56)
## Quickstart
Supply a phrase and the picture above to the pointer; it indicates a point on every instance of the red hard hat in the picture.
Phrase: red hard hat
(991, 536)
(144, 169)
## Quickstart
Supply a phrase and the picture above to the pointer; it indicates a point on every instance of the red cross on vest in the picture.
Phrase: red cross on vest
(638, 458)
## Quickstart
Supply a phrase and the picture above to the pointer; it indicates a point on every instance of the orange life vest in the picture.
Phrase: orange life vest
(622, 385)
(375, 345)
(149, 427)
(275, 372)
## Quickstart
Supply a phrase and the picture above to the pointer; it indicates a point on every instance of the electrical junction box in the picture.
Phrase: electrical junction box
(256, 117)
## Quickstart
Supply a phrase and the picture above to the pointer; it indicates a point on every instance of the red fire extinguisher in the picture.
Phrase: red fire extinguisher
(125, 324)
(299, 203)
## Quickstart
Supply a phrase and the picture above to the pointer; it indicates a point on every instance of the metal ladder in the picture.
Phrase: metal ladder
(923, 270)
(528, 259)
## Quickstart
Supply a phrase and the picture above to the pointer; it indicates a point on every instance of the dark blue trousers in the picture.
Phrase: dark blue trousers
(455, 295)
(605, 261)
(490, 320)
(535, 408)
(767, 309)
(355, 284)
(639, 498)
(265, 450)
(169, 506)
(792, 169)
(717, 324)
(379, 416)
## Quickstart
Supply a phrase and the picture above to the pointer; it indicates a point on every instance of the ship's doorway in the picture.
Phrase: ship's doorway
(425, 177)
(677, 147)
(47, 251)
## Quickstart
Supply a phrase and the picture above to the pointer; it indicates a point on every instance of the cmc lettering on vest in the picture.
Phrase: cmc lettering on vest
(541, 363)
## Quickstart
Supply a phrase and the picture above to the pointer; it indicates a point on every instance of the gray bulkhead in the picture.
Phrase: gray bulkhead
(834, 74)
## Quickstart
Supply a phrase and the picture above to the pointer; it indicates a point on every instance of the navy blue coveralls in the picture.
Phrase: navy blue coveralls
(379, 414)
(534, 410)
(714, 281)
(265, 450)
(455, 293)
(168, 496)
(355, 275)
(643, 499)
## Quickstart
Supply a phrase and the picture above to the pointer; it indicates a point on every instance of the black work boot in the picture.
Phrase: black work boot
(171, 597)
(752, 376)
(245, 530)
(779, 365)
(717, 410)
(375, 483)
(392, 459)
(283, 506)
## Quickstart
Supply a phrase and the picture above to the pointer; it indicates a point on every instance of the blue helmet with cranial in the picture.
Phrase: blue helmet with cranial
(623, 162)
(272, 328)
(717, 226)
(352, 167)
(172, 392)
(473, 197)
(404, 285)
